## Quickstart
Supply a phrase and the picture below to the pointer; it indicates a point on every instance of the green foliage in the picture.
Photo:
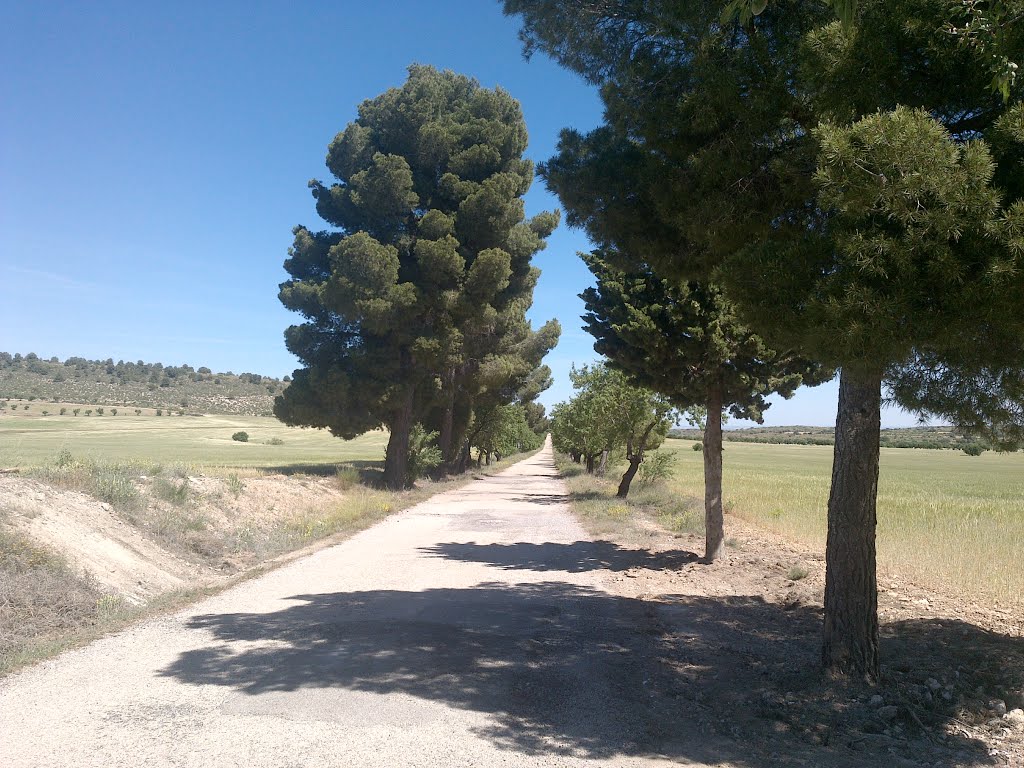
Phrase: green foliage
(504, 430)
(424, 455)
(974, 449)
(241, 437)
(657, 467)
(107, 383)
(421, 290)
(176, 491)
(608, 413)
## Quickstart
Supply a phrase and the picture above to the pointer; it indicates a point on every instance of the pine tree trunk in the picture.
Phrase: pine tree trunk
(603, 466)
(851, 591)
(396, 460)
(627, 478)
(714, 522)
(444, 440)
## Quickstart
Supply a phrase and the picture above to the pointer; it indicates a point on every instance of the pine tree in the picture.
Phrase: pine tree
(685, 341)
(428, 264)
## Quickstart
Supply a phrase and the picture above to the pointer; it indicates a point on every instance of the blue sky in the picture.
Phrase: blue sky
(154, 158)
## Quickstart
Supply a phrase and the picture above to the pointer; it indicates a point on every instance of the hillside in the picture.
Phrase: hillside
(138, 384)
(907, 437)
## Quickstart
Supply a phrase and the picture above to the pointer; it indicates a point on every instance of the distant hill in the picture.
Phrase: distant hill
(138, 384)
(908, 437)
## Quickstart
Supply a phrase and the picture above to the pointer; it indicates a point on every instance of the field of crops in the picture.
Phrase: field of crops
(944, 518)
(204, 441)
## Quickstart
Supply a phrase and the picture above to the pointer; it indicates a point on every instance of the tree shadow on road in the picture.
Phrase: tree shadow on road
(570, 670)
(577, 557)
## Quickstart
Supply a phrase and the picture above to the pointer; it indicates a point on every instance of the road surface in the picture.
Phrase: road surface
(471, 630)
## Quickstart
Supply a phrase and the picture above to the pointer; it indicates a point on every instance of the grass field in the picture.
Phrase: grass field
(944, 518)
(27, 441)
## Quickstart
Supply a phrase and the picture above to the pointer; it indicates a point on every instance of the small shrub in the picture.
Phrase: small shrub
(423, 454)
(159, 412)
(655, 467)
(99, 411)
(113, 411)
(88, 411)
(235, 485)
(346, 477)
(974, 449)
(167, 489)
(698, 447)
(275, 441)
(26, 407)
(138, 411)
(46, 413)
(796, 573)
(240, 437)
(63, 411)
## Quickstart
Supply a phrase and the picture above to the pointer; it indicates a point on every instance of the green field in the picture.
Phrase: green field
(944, 518)
(205, 441)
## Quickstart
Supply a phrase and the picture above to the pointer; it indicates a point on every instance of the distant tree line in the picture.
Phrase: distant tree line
(123, 372)
(933, 438)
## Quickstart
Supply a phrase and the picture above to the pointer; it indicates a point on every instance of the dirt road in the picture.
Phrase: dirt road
(473, 629)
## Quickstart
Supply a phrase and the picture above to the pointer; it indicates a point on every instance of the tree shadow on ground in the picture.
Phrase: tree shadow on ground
(565, 669)
(326, 469)
(578, 557)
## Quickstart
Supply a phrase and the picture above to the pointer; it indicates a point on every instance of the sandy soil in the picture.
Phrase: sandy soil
(125, 560)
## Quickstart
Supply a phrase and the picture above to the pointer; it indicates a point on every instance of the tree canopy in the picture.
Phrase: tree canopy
(853, 187)
(419, 293)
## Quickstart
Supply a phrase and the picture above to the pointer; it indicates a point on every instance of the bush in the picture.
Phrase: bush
(656, 466)
(346, 477)
(176, 493)
(159, 412)
(240, 437)
(423, 454)
(138, 411)
(698, 447)
(974, 449)
(63, 411)
(275, 441)
(99, 411)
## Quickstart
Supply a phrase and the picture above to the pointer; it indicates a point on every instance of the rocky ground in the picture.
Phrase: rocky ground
(741, 641)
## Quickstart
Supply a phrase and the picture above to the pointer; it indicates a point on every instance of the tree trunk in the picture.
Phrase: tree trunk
(396, 460)
(590, 464)
(627, 478)
(851, 591)
(714, 522)
(603, 466)
(444, 440)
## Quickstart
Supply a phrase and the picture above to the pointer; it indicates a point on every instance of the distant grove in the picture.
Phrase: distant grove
(150, 385)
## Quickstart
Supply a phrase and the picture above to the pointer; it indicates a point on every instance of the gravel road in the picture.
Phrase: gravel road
(474, 629)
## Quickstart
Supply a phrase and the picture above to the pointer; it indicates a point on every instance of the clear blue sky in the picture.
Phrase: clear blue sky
(154, 158)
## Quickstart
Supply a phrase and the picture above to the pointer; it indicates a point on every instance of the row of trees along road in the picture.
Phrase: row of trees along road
(414, 305)
(609, 412)
(849, 174)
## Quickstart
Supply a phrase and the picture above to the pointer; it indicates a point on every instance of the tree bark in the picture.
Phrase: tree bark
(603, 466)
(444, 440)
(396, 460)
(714, 521)
(590, 464)
(851, 591)
(627, 478)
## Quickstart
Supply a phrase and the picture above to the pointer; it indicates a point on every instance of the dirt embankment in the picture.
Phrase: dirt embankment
(181, 532)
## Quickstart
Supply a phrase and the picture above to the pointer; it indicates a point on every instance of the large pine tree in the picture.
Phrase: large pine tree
(428, 264)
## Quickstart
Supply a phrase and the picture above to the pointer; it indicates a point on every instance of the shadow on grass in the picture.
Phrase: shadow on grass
(565, 669)
(578, 557)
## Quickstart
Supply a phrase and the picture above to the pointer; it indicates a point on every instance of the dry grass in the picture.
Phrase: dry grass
(594, 501)
(945, 519)
(43, 601)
